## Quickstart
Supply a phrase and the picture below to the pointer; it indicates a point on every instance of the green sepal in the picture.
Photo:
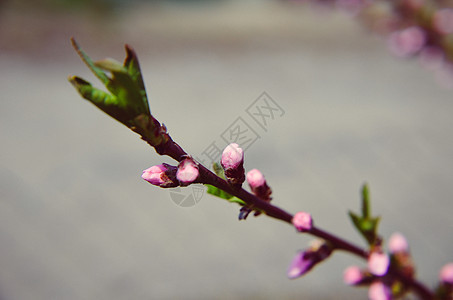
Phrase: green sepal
(366, 224)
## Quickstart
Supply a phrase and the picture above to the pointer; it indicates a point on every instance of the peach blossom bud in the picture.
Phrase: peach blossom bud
(379, 291)
(255, 179)
(398, 243)
(187, 171)
(352, 275)
(302, 221)
(258, 185)
(301, 264)
(161, 175)
(232, 156)
(233, 163)
(378, 263)
(446, 273)
(304, 261)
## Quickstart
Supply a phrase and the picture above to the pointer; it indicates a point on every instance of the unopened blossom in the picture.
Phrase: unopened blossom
(398, 243)
(187, 172)
(233, 164)
(232, 156)
(302, 221)
(352, 275)
(258, 185)
(379, 291)
(304, 261)
(301, 264)
(378, 263)
(255, 179)
(163, 175)
(446, 274)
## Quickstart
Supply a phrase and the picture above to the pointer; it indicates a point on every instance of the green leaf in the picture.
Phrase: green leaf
(133, 68)
(103, 100)
(366, 224)
(128, 96)
(87, 60)
(224, 195)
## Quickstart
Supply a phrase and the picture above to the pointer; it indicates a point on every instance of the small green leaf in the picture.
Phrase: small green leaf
(87, 60)
(128, 100)
(133, 68)
(224, 195)
(103, 100)
(366, 224)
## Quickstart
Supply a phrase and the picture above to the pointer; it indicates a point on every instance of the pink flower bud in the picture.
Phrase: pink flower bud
(378, 263)
(407, 42)
(300, 265)
(232, 156)
(161, 175)
(379, 291)
(233, 163)
(304, 261)
(446, 273)
(398, 243)
(255, 179)
(258, 185)
(302, 221)
(443, 21)
(352, 275)
(187, 171)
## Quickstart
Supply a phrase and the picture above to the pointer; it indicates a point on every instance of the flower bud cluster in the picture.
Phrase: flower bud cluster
(232, 162)
(379, 263)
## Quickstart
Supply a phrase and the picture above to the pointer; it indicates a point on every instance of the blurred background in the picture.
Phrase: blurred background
(78, 222)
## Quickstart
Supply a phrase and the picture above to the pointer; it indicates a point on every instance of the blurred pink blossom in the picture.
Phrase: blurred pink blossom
(446, 273)
(443, 20)
(352, 275)
(379, 291)
(378, 263)
(407, 42)
(398, 243)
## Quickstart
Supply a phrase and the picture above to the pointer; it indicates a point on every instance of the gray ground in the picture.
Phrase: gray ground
(77, 222)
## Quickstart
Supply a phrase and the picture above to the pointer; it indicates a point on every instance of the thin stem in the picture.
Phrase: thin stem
(339, 243)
